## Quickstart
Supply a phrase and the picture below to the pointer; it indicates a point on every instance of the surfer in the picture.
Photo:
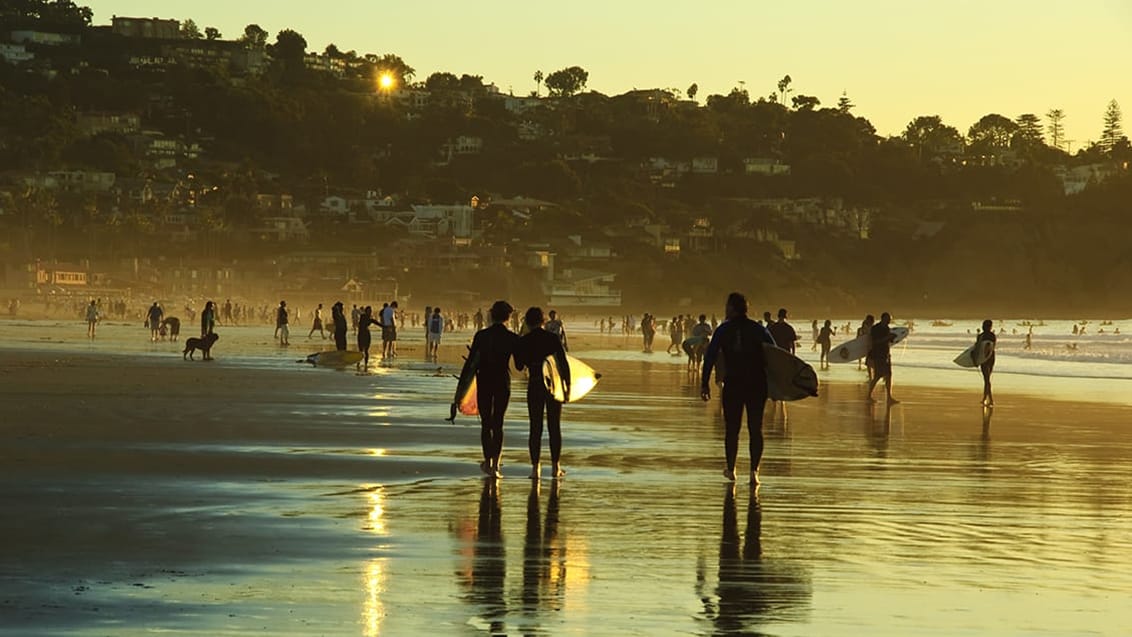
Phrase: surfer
(281, 331)
(866, 327)
(880, 357)
(317, 325)
(825, 337)
(338, 315)
(782, 331)
(696, 344)
(490, 357)
(987, 368)
(739, 340)
(154, 320)
(365, 339)
(389, 330)
(530, 352)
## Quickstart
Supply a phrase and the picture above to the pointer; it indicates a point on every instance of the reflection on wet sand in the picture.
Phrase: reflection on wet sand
(544, 560)
(489, 564)
(750, 591)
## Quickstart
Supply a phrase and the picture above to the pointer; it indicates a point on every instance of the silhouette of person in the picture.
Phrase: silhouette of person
(987, 367)
(490, 355)
(532, 349)
(880, 356)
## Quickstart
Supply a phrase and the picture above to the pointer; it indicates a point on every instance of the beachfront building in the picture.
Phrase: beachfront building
(147, 28)
(581, 288)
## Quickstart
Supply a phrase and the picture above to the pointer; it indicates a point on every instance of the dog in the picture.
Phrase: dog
(203, 344)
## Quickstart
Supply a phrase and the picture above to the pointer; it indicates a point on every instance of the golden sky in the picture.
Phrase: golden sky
(897, 59)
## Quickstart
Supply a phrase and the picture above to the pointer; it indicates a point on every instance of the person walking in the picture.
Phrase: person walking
(557, 328)
(880, 357)
(92, 318)
(365, 338)
(154, 318)
(783, 332)
(739, 341)
(435, 329)
(282, 332)
(208, 319)
(987, 368)
(316, 325)
(825, 340)
(530, 353)
(491, 353)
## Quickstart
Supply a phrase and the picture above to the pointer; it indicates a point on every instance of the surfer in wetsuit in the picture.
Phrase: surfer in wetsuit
(987, 368)
(740, 341)
(880, 357)
(338, 312)
(825, 339)
(531, 351)
(490, 355)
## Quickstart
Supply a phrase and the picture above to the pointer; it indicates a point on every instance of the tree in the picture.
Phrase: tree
(212, 33)
(539, 77)
(332, 51)
(393, 65)
(1113, 129)
(692, 91)
(567, 82)
(190, 30)
(1029, 136)
(254, 36)
(1055, 127)
(805, 102)
(931, 137)
(991, 134)
(289, 49)
(442, 81)
(784, 89)
(844, 105)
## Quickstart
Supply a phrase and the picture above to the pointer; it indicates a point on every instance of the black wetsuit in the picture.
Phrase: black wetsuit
(740, 341)
(364, 336)
(530, 353)
(493, 348)
(881, 353)
(340, 328)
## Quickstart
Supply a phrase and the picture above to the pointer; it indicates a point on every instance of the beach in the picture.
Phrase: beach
(252, 493)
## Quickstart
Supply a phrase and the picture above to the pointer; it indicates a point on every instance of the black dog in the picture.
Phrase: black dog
(203, 344)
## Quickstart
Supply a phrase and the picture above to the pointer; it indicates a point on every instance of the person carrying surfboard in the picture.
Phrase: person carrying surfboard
(739, 341)
(880, 357)
(532, 349)
(987, 368)
(489, 359)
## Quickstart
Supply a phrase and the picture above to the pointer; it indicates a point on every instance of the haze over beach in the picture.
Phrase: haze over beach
(599, 319)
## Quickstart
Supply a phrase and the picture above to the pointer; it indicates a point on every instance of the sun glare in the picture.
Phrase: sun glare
(385, 81)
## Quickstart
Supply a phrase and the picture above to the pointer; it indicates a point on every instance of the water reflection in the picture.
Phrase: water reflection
(751, 591)
(544, 557)
(373, 610)
(489, 562)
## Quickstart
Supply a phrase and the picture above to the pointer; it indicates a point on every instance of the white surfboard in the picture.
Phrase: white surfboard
(787, 376)
(857, 348)
(583, 379)
(975, 355)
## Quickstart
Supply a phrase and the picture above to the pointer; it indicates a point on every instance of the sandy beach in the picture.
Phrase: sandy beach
(252, 494)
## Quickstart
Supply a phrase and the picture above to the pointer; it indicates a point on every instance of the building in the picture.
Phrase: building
(149, 28)
(80, 181)
(705, 165)
(282, 229)
(430, 221)
(92, 124)
(765, 166)
(333, 65)
(578, 288)
(44, 38)
(15, 54)
(61, 274)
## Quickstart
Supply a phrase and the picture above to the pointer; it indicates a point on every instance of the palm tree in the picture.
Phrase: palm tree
(538, 82)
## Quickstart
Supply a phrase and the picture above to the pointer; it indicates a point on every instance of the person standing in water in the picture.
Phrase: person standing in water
(154, 319)
(825, 339)
(987, 368)
(491, 352)
(434, 326)
(880, 357)
(783, 332)
(739, 340)
(281, 330)
(365, 339)
(208, 319)
(316, 326)
(530, 352)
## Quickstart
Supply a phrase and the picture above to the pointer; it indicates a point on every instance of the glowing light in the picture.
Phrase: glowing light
(385, 81)
(377, 452)
(373, 611)
(376, 511)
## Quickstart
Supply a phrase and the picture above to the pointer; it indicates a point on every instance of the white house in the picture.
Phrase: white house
(43, 37)
(335, 205)
(705, 165)
(583, 288)
(765, 166)
(15, 53)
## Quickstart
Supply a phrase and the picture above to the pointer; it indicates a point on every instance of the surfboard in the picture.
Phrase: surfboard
(787, 376)
(857, 348)
(464, 401)
(583, 379)
(692, 342)
(335, 358)
(975, 355)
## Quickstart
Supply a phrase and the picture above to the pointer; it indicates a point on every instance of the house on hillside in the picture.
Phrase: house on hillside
(15, 54)
(580, 288)
(43, 38)
(1078, 178)
(765, 166)
(96, 123)
(147, 28)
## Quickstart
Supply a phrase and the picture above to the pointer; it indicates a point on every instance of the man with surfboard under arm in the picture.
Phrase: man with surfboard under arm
(739, 341)
(489, 358)
(880, 357)
(533, 348)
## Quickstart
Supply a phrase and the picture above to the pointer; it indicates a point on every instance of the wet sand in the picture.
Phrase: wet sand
(146, 494)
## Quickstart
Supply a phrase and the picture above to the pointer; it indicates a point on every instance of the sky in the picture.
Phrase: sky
(896, 59)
